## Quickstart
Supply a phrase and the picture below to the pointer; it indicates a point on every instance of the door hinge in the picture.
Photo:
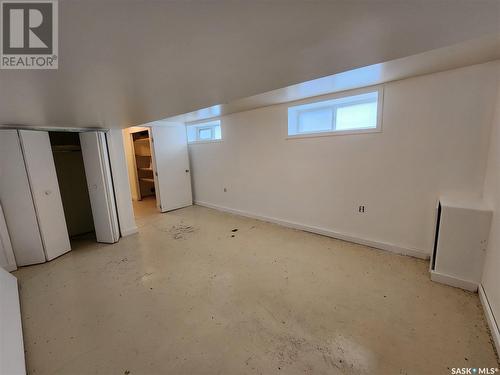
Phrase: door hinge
(156, 174)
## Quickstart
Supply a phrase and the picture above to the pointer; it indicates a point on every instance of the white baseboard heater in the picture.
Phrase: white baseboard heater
(461, 239)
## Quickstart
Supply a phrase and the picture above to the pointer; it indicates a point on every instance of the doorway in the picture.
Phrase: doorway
(70, 170)
(158, 165)
(141, 142)
(141, 171)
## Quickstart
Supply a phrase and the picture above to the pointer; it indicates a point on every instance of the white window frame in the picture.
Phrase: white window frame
(294, 111)
(200, 129)
(204, 125)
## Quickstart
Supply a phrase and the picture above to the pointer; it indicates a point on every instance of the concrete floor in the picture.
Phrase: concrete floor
(187, 295)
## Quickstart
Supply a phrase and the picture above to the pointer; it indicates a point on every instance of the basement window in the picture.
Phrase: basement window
(342, 115)
(204, 132)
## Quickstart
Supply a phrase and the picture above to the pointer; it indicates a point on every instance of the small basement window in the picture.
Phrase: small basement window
(343, 115)
(204, 132)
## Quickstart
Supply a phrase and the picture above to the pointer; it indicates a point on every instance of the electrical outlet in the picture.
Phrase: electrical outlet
(361, 209)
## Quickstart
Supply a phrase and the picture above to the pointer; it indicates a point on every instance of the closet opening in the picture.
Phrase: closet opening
(145, 190)
(70, 170)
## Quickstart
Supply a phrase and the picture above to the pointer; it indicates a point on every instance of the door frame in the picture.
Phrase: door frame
(136, 177)
(155, 169)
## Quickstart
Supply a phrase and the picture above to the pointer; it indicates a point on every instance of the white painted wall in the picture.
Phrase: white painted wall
(491, 276)
(121, 182)
(434, 141)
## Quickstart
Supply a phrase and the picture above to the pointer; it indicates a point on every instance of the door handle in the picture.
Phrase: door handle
(187, 170)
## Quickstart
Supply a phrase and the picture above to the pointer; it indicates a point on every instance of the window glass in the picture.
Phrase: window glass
(315, 120)
(356, 116)
(342, 114)
(204, 132)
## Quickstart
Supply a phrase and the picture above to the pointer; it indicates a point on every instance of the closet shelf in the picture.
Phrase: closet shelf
(142, 140)
(145, 169)
(143, 156)
(151, 180)
(66, 148)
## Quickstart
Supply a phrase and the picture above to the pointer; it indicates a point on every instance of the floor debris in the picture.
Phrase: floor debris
(180, 231)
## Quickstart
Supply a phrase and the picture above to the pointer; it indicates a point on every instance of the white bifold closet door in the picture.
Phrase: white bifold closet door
(45, 191)
(17, 202)
(171, 166)
(100, 184)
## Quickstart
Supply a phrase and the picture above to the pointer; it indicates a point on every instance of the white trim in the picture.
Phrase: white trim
(490, 317)
(129, 231)
(335, 133)
(453, 281)
(416, 253)
(134, 162)
(204, 142)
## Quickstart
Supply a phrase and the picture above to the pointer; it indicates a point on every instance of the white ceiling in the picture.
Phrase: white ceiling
(477, 51)
(124, 63)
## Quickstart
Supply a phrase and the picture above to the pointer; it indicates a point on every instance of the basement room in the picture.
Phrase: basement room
(250, 187)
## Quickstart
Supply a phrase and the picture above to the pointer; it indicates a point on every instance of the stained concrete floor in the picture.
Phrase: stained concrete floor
(189, 295)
